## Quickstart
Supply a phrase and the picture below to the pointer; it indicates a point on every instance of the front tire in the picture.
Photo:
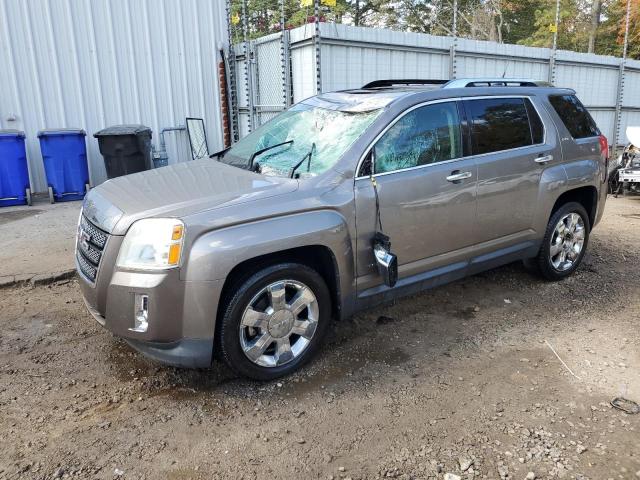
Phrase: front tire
(275, 322)
(565, 242)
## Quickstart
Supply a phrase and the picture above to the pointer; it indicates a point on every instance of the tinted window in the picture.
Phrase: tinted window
(425, 135)
(498, 124)
(537, 128)
(574, 116)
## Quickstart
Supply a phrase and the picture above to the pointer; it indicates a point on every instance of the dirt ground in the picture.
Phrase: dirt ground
(458, 381)
(51, 250)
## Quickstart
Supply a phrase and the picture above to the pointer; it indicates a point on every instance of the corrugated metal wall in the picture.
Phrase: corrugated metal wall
(353, 56)
(91, 64)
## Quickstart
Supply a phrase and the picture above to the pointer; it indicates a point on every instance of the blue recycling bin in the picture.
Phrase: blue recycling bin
(64, 154)
(14, 174)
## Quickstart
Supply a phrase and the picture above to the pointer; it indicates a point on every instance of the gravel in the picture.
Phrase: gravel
(454, 383)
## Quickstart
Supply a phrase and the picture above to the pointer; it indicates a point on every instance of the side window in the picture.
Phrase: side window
(574, 116)
(498, 124)
(425, 135)
(535, 122)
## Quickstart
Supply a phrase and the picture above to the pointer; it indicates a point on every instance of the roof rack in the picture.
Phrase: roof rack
(407, 82)
(495, 82)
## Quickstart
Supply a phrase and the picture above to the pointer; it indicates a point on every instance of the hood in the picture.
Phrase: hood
(177, 191)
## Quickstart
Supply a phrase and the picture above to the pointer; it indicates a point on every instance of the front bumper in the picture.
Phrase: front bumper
(182, 314)
(187, 353)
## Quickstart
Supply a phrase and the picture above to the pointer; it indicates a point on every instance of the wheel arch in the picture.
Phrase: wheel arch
(586, 195)
(317, 257)
(319, 239)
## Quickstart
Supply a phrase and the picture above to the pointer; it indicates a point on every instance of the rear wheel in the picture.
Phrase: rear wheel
(564, 243)
(28, 199)
(275, 322)
(51, 198)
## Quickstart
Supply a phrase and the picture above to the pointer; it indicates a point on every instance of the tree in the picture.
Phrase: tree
(610, 37)
(585, 25)
(263, 16)
(518, 17)
(572, 26)
(596, 11)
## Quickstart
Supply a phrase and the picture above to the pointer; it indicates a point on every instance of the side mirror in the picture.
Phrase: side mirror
(387, 262)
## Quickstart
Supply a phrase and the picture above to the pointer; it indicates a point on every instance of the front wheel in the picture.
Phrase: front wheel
(275, 322)
(565, 242)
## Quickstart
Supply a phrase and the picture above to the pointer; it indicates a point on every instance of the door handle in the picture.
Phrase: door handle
(544, 159)
(457, 175)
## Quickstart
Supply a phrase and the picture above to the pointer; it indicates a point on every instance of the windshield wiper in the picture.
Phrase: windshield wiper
(220, 153)
(307, 156)
(261, 151)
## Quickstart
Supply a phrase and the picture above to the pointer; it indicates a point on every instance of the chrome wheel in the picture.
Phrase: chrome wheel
(567, 242)
(279, 323)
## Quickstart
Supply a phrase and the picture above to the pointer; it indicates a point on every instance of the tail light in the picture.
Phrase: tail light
(604, 146)
(604, 151)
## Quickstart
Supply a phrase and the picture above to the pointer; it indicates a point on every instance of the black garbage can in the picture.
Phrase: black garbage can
(125, 148)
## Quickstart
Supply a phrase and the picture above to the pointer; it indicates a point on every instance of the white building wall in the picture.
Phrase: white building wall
(91, 64)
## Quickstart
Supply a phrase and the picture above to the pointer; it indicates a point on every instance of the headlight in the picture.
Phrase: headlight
(152, 244)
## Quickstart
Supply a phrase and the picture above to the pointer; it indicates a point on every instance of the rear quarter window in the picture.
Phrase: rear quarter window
(574, 115)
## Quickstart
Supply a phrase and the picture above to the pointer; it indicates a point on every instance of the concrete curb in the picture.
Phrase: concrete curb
(36, 280)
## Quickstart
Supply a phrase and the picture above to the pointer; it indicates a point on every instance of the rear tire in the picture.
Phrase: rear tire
(28, 199)
(275, 322)
(565, 242)
(51, 197)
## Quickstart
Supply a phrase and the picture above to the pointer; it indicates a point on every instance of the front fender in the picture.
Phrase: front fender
(214, 254)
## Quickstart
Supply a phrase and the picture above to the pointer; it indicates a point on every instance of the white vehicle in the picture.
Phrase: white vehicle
(626, 177)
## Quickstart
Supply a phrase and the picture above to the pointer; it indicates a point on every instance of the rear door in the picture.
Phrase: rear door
(511, 147)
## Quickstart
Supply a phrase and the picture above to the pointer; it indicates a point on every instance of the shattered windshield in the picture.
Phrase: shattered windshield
(318, 136)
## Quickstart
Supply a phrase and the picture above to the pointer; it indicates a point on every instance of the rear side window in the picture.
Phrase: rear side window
(574, 116)
(500, 124)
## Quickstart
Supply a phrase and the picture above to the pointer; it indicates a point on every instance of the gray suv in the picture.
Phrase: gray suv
(345, 201)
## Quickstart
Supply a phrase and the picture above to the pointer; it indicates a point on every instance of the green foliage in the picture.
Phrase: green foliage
(524, 22)
(572, 27)
(611, 35)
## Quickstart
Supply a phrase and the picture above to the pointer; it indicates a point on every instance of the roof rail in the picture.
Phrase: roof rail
(495, 82)
(392, 83)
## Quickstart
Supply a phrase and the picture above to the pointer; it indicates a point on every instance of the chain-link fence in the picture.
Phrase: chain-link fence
(258, 62)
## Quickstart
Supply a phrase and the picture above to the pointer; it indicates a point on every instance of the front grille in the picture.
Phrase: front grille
(89, 248)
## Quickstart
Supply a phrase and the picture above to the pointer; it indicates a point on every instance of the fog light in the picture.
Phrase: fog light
(141, 313)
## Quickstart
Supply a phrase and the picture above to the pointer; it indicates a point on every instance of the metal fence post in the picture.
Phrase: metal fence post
(284, 59)
(247, 68)
(316, 43)
(231, 77)
(554, 48)
(454, 44)
(621, 74)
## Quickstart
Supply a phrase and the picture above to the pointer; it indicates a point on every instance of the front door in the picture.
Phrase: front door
(426, 193)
